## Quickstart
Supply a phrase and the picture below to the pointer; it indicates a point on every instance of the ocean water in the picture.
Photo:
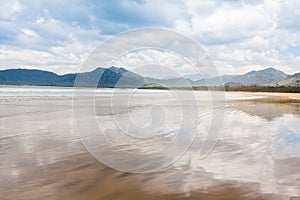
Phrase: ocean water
(182, 145)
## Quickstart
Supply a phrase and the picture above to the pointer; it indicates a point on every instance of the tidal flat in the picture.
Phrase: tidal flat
(256, 154)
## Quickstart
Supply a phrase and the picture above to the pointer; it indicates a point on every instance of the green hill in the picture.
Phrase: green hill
(102, 77)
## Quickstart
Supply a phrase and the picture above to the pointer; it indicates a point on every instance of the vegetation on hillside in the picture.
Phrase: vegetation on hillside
(253, 88)
(122, 78)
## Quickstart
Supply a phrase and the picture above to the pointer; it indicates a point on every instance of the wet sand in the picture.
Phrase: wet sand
(272, 97)
(82, 177)
(43, 158)
(268, 105)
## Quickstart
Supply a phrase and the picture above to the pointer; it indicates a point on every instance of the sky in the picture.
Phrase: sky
(238, 35)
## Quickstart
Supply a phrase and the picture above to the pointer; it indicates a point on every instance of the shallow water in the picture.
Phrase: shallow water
(42, 156)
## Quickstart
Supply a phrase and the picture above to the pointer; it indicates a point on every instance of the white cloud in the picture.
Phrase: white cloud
(9, 9)
(227, 22)
(155, 63)
(237, 35)
(241, 36)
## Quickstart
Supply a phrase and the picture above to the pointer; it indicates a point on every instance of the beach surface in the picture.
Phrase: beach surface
(274, 95)
(42, 156)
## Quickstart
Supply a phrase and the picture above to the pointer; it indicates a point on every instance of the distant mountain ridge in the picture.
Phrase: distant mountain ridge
(121, 77)
(109, 77)
(34, 77)
(297, 75)
(290, 80)
(261, 77)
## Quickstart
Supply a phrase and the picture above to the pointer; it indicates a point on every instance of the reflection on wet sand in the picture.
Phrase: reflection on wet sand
(269, 108)
(42, 157)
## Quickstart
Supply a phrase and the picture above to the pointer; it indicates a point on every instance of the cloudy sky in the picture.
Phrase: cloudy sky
(238, 35)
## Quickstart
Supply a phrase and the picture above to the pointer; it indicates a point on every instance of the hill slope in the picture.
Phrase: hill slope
(110, 77)
(291, 80)
(261, 77)
(120, 77)
(33, 77)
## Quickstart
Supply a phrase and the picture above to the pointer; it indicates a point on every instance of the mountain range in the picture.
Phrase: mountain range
(121, 77)
(262, 77)
(291, 80)
(109, 78)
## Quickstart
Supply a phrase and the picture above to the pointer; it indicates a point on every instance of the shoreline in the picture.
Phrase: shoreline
(283, 97)
(271, 94)
(271, 97)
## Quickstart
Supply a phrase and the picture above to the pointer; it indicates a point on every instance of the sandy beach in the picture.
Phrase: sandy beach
(272, 96)
(42, 156)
